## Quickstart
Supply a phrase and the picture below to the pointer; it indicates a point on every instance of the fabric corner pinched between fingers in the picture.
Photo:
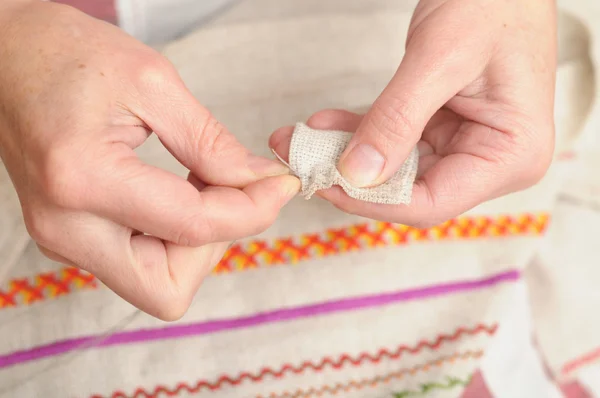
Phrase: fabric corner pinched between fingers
(314, 155)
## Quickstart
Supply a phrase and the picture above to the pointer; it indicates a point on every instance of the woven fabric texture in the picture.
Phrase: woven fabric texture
(314, 155)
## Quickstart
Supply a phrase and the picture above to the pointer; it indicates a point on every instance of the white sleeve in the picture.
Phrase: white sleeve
(158, 21)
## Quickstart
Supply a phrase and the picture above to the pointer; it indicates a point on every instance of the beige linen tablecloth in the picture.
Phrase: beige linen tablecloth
(324, 302)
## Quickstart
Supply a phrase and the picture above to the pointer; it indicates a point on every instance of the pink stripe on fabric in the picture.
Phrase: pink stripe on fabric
(279, 315)
(583, 360)
(477, 388)
(574, 390)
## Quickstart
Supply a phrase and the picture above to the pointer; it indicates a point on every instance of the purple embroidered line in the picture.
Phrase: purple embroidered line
(280, 315)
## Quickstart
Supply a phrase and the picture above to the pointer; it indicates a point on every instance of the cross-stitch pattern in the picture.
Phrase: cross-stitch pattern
(260, 253)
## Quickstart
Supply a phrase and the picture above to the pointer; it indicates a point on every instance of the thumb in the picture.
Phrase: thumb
(429, 75)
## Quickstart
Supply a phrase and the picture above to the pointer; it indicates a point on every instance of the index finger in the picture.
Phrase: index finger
(161, 204)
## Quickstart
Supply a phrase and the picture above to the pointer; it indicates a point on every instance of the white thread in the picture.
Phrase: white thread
(282, 161)
(68, 358)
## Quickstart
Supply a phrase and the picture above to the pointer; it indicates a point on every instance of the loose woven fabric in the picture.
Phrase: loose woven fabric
(314, 155)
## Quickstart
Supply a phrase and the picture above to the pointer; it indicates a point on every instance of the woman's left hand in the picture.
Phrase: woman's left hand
(474, 92)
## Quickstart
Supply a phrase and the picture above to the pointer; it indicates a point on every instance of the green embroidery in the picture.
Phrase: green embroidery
(451, 383)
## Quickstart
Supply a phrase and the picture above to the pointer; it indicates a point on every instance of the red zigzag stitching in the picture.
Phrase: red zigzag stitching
(325, 362)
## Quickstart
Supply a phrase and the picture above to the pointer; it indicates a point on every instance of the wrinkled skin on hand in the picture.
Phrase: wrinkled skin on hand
(77, 96)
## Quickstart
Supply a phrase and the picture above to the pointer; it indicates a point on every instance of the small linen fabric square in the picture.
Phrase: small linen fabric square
(314, 155)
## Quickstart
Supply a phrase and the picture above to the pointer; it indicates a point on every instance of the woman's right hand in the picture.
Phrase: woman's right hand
(77, 96)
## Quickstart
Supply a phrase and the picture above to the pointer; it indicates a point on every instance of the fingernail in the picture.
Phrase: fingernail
(292, 188)
(362, 166)
(264, 167)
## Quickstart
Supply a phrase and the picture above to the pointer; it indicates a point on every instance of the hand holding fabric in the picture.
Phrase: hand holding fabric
(474, 92)
(77, 96)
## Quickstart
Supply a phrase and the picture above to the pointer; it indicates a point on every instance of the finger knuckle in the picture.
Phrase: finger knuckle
(212, 138)
(196, 230)
(154, 71)
(38, 225)
(535, 169)
(535, 157)
(173, 307)
(166, 295)
(389, 118)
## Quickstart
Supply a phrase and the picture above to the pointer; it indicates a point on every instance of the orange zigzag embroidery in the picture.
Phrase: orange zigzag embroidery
(245, 256)
(327, 362)
(45, 286)
(353, 385)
